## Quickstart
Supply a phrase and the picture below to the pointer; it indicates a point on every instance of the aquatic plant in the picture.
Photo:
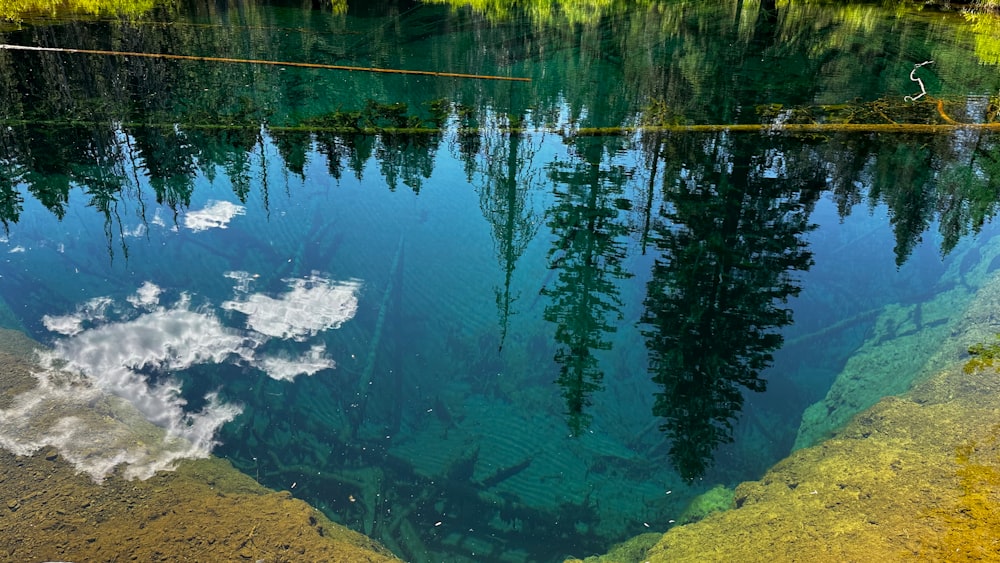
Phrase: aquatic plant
(983, 356)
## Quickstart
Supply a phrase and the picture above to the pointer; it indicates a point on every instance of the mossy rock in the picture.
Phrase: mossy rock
(716, 499)
(631, 551)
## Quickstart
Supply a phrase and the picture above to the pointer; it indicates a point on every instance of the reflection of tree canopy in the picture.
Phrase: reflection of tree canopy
(546, 12)
(731, 238)
(509, 175)
(587, 255)
(952, 179)
(184, 119)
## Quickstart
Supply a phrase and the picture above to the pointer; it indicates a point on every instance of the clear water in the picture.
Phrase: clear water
(498, 340)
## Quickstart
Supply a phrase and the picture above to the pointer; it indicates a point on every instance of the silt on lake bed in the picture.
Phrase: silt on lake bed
(480, 319)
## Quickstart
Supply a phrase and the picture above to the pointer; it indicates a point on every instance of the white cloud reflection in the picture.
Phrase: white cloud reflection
(243, 280)
(97, 431)
(311, 305)
(307, 364)
(95, 400)
(216, 215)
(92, 310)
(92, 380)
(146, 297)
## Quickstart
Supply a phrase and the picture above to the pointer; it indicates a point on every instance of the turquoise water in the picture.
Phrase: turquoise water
(494, 340)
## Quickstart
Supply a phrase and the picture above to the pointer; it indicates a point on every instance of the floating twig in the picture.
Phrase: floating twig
(262, 62)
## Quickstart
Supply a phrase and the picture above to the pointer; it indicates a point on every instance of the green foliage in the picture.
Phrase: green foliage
(440, 110)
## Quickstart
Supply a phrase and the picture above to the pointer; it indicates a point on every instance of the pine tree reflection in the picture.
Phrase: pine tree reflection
(731, 237)
(509, 176)
(48, 156)
(11, 201)
(587, 254)
(169, 161)
(406, 157)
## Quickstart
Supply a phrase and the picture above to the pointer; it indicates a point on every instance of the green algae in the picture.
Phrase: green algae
(983, 356)
(632, 551)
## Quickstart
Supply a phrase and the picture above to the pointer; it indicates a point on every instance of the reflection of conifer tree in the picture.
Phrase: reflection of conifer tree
(11, 201)
(730, 242)
(361, 149)
(101, 173)
(229, 149)
(104, 191)
(969, 188)
(844, 166)
(293, 146)
(588, 254)
(904, 171)
(899, 175)
(504, 199)
(336, 151)
(468, 143)
(169, 161)
(406, 157)
(351, 150)
(49, 157)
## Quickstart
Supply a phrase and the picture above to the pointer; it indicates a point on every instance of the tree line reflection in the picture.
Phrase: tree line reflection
(726, 218)
(725, 215)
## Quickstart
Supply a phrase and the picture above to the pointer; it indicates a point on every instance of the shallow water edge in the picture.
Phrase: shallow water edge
(204, 510)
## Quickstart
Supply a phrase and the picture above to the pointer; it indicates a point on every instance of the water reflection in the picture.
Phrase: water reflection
(108, 357)
(536, 301)
(731, 237)
(130, 352)
(509, 179)
(586, 256)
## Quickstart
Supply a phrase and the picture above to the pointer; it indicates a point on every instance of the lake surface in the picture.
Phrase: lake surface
(476, 318)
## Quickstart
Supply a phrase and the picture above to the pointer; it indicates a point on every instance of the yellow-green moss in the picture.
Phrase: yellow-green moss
(716, 499)
(631, 551)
